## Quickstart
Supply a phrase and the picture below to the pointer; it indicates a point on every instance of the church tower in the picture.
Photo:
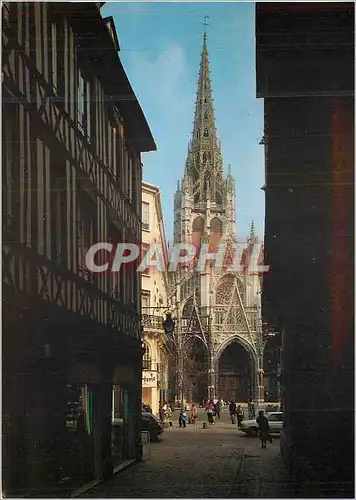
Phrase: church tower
(214, 308)
(204, 189)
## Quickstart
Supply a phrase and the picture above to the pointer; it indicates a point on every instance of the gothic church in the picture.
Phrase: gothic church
(218, 312)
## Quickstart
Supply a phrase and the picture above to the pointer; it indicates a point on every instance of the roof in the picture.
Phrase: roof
(101, 55)
(148, 185)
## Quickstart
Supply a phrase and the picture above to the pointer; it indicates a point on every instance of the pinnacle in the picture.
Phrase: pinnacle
(252, 231)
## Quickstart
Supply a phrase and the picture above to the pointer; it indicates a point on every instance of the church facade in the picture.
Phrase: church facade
(218, 312)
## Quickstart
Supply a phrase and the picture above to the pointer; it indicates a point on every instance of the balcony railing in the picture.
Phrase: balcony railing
(150, 365)
(152, 322)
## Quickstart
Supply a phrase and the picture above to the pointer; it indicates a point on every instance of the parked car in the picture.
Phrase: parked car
(275, 420)
(151, 424)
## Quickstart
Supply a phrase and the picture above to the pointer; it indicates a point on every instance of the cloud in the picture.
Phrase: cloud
(162, 79)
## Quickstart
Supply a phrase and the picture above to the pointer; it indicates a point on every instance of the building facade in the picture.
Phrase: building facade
(154, 300)
(219, 331)
(305, 74)
(73, 133)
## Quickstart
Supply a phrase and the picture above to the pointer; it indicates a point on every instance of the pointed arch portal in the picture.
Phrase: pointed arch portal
(236, 370)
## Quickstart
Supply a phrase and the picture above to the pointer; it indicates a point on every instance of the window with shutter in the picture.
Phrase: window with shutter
(145, 216)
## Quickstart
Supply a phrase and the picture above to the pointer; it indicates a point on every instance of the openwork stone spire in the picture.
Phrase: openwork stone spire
(204, 162)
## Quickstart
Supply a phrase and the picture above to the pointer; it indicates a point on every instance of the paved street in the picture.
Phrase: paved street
(218, 462)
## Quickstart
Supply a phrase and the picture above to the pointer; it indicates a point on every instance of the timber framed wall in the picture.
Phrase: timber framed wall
(71, 177)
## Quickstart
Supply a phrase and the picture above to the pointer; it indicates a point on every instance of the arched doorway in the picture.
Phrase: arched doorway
(236, 373)
(195, 370)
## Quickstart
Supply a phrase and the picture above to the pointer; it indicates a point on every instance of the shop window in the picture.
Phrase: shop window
(78, 420)
(146, 364)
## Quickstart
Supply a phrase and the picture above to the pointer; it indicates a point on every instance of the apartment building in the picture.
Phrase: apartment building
(154, 301)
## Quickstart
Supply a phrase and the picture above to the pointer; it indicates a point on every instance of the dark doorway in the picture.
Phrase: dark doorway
(235, 374)
(196, 371)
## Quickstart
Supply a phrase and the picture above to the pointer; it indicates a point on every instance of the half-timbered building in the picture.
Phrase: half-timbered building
(72, 134)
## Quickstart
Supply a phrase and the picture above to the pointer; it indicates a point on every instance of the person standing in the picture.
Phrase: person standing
(240, 415)
(168, 415)
(217, 409)
(210, 412)
(232, 410)
(263, 427)
(162, 409)
(182, 418)
(251, 410)
(194, 413)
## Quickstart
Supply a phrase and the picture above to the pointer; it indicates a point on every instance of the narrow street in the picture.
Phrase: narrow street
(217, 462)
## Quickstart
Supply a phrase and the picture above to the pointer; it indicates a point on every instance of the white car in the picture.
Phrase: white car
(275, 420)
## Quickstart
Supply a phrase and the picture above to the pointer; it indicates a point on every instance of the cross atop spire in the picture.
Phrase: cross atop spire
(205, 24)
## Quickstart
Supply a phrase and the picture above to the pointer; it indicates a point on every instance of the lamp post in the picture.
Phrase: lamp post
(168, 324)
(169, 329)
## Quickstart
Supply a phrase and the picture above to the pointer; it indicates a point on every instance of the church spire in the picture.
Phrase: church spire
(204, 119)
(204, 162)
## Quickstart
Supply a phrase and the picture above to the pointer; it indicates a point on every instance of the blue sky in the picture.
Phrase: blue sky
(161, 45)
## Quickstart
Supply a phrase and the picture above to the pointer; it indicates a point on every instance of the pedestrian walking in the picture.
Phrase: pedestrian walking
(233, 411)
(183, 417)
(217, 409)
(240, 415)
(251, 410)
(161, 412)
(168, 415)
(194, 413)
(263, 427)
(210, 412)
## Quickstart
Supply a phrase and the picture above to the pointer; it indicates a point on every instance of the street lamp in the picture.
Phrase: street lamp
(168, 324)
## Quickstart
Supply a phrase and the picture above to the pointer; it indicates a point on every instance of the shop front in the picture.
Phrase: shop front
(125, 418)
(151, 390)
